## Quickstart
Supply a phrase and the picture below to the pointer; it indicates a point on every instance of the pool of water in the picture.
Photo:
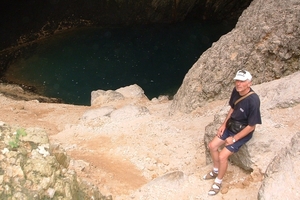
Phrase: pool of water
(71, 65)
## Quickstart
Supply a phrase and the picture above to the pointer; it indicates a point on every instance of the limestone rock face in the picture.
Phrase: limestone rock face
(101, 97)
(282, 175)
(265, 41)
(31, 168)
(170, 183)
(133, 93)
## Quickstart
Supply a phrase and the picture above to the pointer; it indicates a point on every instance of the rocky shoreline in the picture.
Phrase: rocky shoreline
(26, 93)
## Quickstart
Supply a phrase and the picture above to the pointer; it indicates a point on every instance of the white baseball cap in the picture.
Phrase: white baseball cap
(242, 75)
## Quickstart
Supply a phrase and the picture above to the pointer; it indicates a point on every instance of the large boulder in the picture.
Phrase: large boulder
(124, 103)
(132, 93)
(265, 41)
(282, 174)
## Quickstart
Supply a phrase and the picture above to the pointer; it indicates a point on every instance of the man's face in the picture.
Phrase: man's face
(242, 86)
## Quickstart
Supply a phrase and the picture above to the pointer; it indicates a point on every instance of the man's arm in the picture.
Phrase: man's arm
(248, 129)
(223, 126)
(240, 135)
(227, 117)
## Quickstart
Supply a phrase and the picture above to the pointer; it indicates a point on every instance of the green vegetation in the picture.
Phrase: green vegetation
(15, 142)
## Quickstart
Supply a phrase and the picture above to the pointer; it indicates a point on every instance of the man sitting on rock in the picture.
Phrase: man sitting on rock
(237, 128)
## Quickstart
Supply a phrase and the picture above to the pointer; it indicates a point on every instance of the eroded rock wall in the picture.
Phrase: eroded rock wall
(31, 168)
(265, 41)
(284, 170)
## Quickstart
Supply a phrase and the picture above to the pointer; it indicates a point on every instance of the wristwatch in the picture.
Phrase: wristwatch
(233, 140)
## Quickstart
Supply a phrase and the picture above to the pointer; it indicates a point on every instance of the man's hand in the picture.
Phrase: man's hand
(230, 140)
(221, 130)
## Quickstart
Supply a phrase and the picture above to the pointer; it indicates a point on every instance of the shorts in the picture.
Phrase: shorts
(237, 145)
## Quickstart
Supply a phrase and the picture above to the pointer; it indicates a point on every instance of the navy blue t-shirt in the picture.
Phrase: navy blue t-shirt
(246, 111)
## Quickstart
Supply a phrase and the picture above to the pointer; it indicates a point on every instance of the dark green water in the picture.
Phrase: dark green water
(157, 57)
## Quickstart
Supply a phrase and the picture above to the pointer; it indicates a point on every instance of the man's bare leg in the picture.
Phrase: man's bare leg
(223, 162)
(214, 151)
(220, 160)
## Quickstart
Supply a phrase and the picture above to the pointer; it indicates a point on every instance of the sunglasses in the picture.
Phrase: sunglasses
(242, 71)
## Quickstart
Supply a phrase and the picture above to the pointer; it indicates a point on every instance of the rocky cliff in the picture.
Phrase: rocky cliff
(31, 168)
(265, 41)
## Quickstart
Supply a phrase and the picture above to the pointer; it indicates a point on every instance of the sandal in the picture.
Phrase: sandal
(210, 175)
(215, 188)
